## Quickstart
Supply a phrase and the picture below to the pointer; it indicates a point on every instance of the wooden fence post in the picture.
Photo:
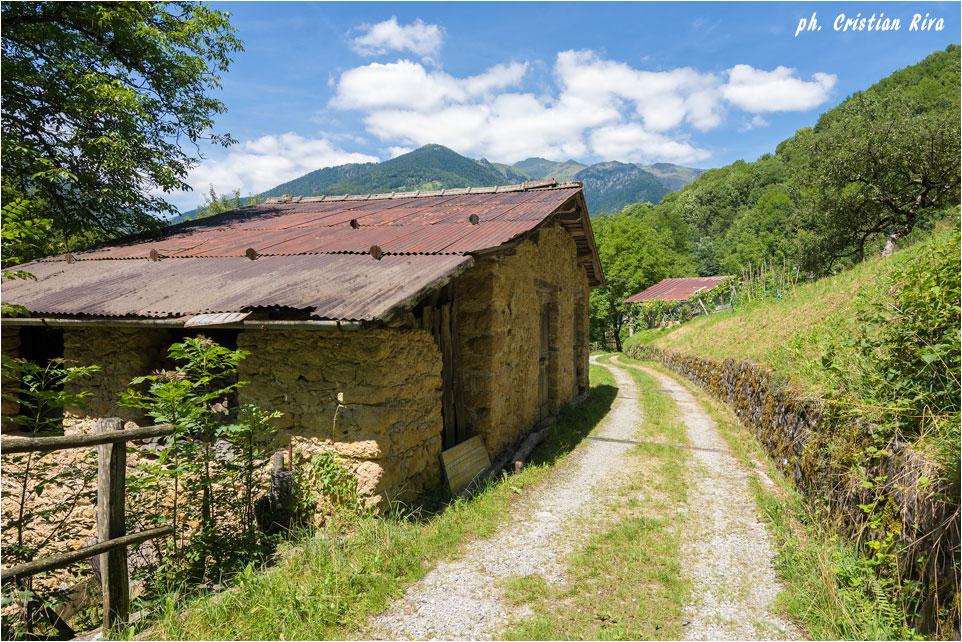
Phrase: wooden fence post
(111, 480)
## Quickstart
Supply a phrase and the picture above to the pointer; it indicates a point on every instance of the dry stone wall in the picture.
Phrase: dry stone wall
(825, 456)
(122, 354)
(388, 427)
(389, 424)
(500, 302)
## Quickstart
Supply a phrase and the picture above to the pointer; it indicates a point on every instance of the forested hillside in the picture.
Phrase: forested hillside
(881, 166)
(611, 186)
(832, 194)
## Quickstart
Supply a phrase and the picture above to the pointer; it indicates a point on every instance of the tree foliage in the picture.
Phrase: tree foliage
(105, 104)
(638, 247)
(876, 166)
(217, 204)
(884, 161)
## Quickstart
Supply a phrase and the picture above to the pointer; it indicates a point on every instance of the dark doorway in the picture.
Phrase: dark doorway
(544, 360)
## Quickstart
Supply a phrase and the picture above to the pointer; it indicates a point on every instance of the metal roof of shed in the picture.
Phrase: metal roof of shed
(310, 254)
(676, 289)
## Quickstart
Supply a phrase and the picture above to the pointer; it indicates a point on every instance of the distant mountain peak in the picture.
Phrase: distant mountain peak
(434, 166)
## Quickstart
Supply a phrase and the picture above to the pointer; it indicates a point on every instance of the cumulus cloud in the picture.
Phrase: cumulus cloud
(407, 84)
(421, 39)
(662, 99)
(256, 165)
(756, 121)
(757, 90)
(633, 143)
(598, 107)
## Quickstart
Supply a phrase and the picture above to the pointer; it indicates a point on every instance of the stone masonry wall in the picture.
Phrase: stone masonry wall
(122, 354)
(499, 313)
(389, 426)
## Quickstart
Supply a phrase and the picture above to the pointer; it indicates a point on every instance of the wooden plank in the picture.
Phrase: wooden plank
(464, 462)
(14, 445)
(63, 560)
(111, 484)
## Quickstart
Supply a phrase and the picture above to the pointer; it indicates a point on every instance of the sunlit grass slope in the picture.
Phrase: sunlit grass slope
(791, 334)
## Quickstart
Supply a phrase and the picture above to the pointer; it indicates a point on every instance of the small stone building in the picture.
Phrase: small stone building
(435, 315)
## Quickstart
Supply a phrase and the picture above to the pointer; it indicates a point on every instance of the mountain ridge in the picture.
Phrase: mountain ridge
(609, 185)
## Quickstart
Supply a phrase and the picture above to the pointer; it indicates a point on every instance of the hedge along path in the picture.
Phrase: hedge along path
(728, 554)
(460, 599)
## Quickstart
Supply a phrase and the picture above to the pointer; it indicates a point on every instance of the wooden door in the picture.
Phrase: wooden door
(544, 358)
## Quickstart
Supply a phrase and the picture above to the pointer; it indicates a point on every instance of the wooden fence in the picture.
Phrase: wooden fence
(111, 439)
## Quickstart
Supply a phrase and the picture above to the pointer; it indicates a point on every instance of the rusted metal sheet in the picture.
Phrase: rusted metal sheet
(676, 289)
(306, 254)
(402, 226)
(329, 286)
(215, 319)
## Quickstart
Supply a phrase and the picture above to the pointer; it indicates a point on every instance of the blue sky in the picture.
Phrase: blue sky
(699, 84)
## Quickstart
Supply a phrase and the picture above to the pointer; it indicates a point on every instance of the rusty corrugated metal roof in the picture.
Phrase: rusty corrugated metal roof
(311, 254)
(352, 287)
(407, 226)
(676, 289)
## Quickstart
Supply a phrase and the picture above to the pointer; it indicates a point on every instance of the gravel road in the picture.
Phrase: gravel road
(728, 552)
(459, 599)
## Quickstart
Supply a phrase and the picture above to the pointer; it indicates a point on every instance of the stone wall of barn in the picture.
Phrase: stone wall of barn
(121, 354)
(388, 427)
(389, 424)
(500, 303)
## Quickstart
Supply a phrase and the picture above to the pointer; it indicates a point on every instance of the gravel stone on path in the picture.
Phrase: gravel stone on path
(459, 599)
(728, 552)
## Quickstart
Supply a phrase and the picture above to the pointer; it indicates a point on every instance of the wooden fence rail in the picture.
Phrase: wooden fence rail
(110, 439)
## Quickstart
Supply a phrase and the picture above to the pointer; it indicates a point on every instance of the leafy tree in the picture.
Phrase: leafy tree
(214, 204)
(211, 461)
(105, 104)
(759, 233)
(876, 166)
(634, 255)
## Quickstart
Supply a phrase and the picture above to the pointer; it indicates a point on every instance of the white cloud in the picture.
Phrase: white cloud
(394, 152)
(662, 99)
(633, 143)
(418, 38)
(756, 121)
(258, 165)
(757, 90)
(407, 84)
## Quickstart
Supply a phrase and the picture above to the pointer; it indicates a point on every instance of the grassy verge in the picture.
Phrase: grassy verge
(829, 587)
(626, 582)
(326, 585)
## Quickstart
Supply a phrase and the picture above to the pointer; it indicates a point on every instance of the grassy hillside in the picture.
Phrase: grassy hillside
(879, 345)
(792, 335)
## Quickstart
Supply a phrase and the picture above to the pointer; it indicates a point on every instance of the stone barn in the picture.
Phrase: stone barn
(436, 316)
